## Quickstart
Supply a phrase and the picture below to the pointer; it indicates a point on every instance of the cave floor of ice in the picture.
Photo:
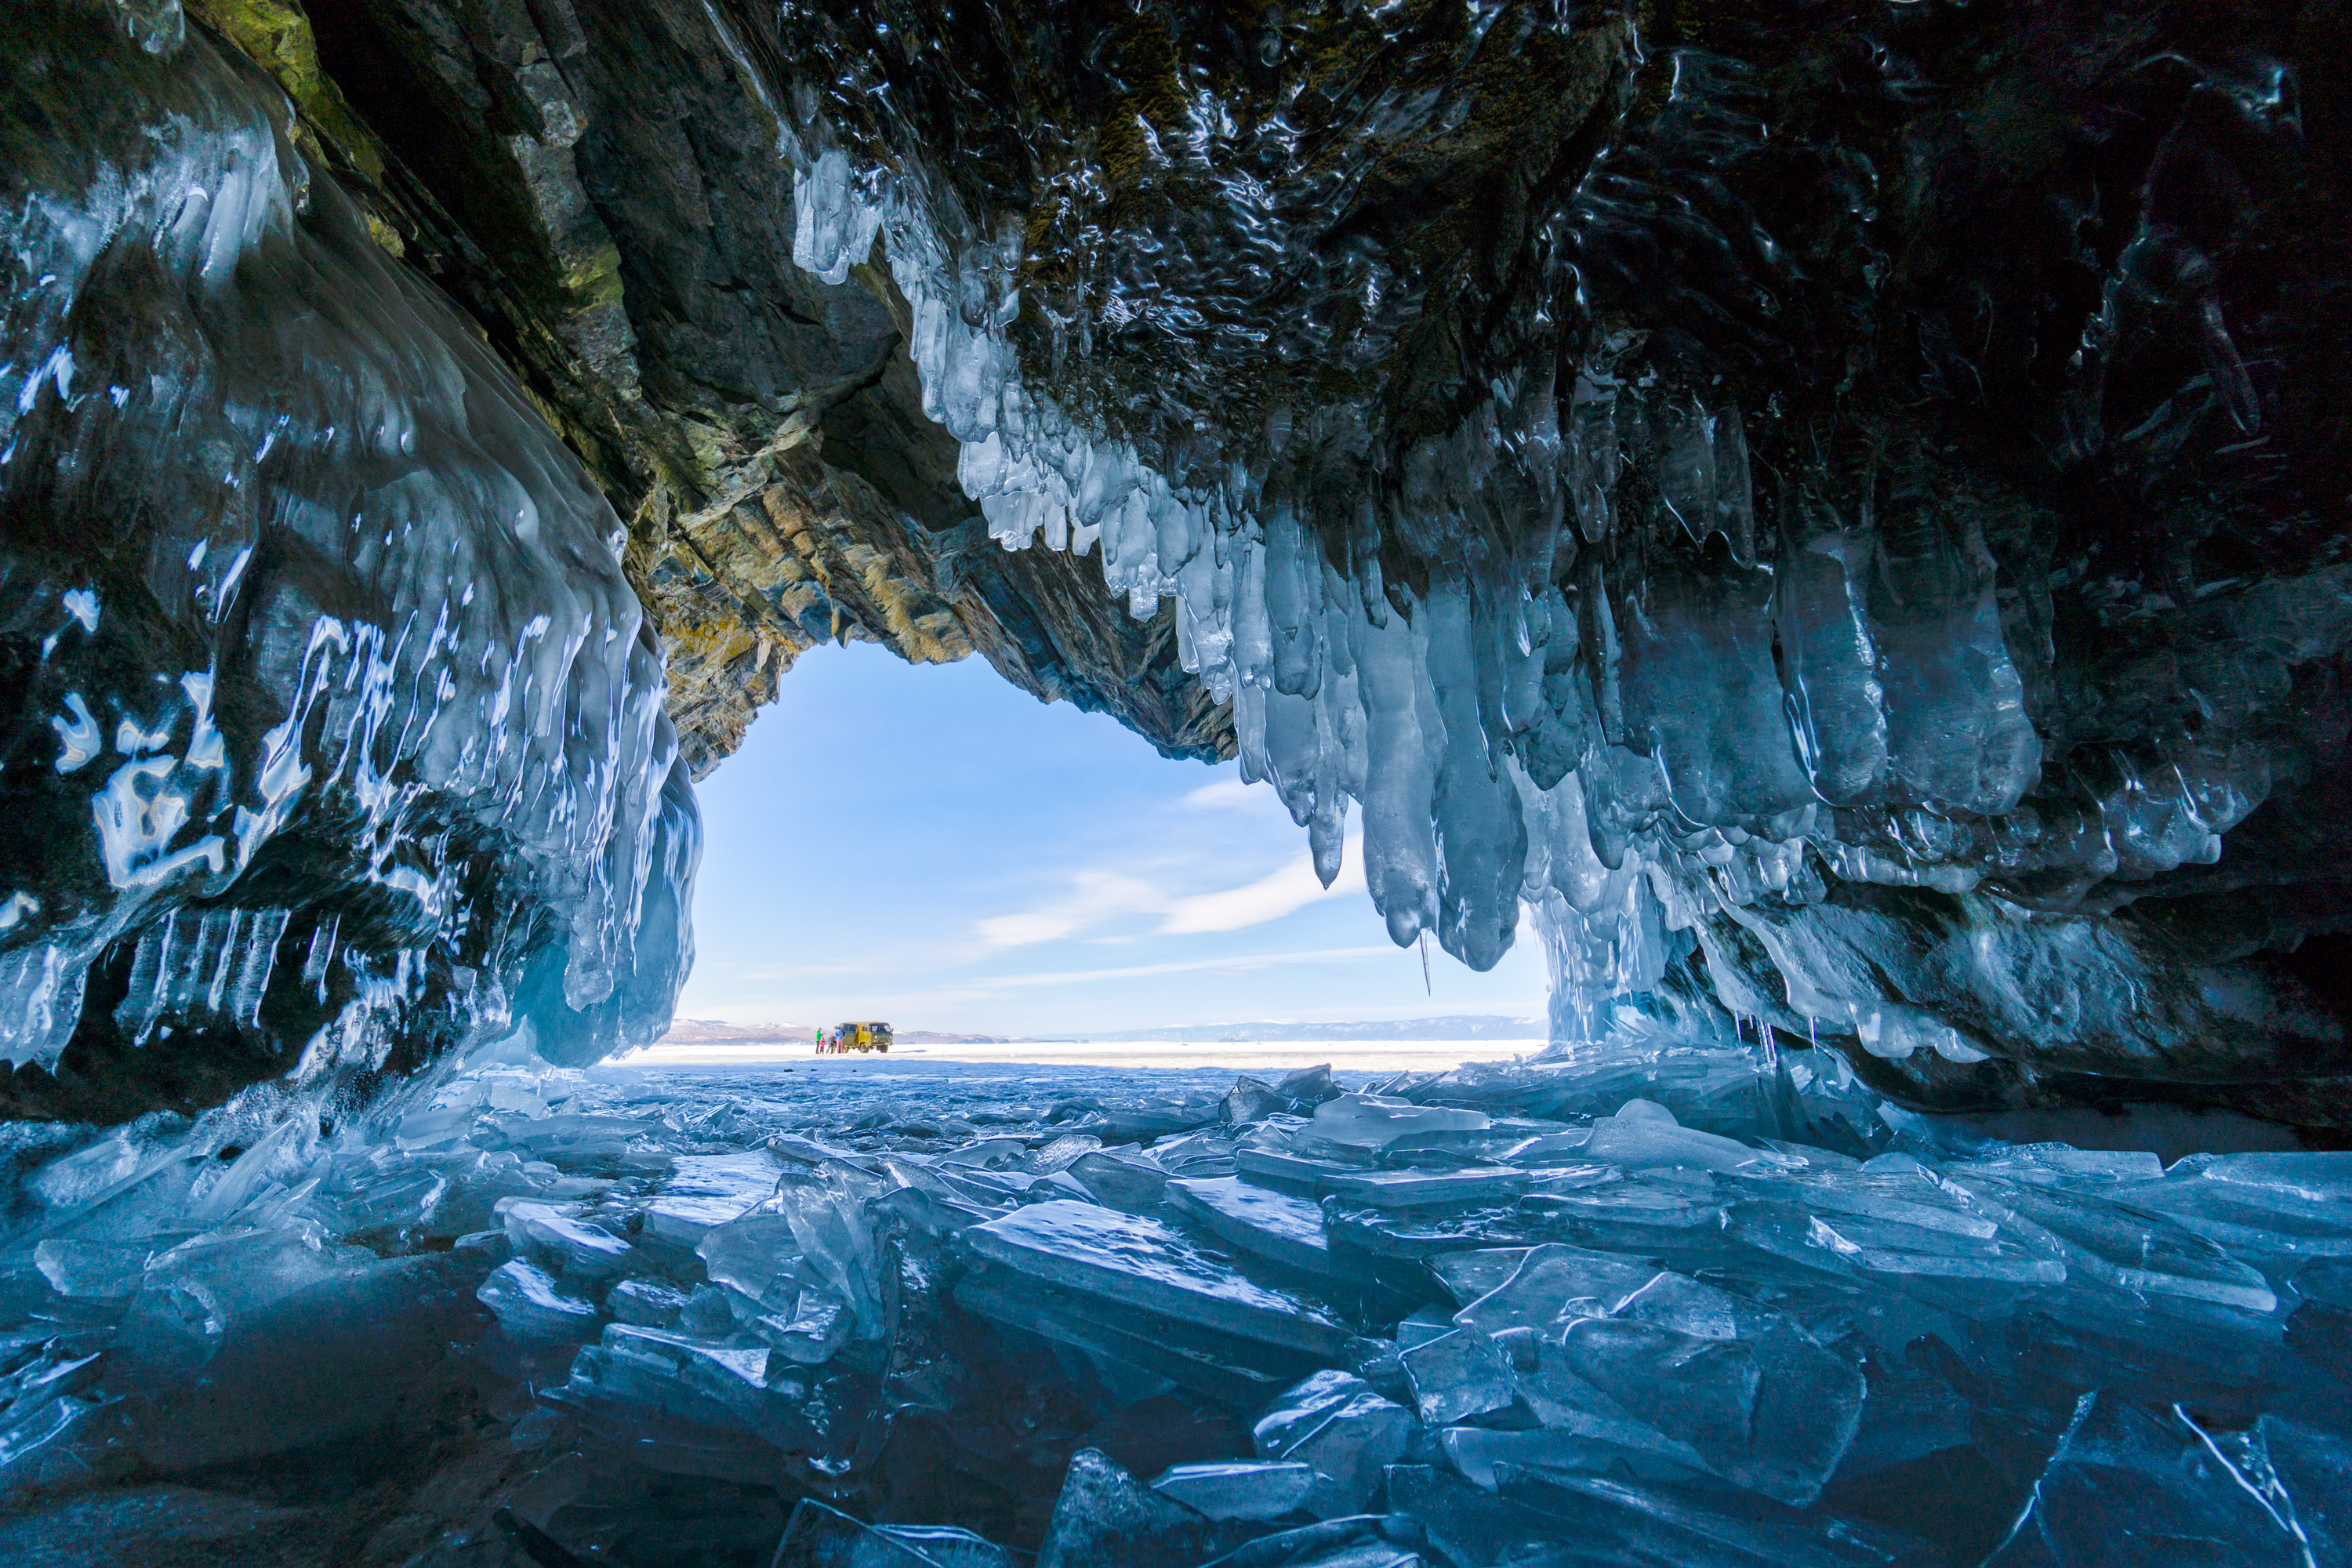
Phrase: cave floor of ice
(1664, 1302)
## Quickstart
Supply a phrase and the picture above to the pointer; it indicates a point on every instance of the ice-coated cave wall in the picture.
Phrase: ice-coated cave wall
(1837, 507)
(334, 737)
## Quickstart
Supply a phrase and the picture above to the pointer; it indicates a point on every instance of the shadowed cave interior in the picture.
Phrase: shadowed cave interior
(1831, 513)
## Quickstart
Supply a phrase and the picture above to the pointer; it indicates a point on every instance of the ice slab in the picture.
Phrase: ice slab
(1546, 1148)
(758, 1256)
(1552, 1286)
(1417, 1234)
(1204, 1153)
(1308, 1086)
(1105, 1516)
(1475, 1451)
(1133, 1187)
(1273, 1226)
(682, 1220)
(1774, 1415)
(648, 1303)
(750, 1174)
(1614, 1520)
(531, 1305)
(1238, 1490)
(1423, 1325)
(2134, 1249)
(1218, 1366)
(1372, 1120)
(1901, 1250)
(1648, 1211)
(1423, 1189)
(1249, 1101)
(1469, 1275)
(1282, 1167)
(1333, 1543)
(1059, 1154)
(1139, 1262)
(718, 1385)
(1458, 1375)
(2127, 1485)
(93, 1269)
(1640, 1142)
(1472, 1526)
(818, 1536)
(566, 1245)
(1335, 1422)
(2251, 1221)
(2052, 1164)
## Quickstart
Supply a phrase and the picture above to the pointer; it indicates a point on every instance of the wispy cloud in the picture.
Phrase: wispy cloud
(1228, 794)
(1097, 898)
(1270, 898)
(1094, 897)
(1240, 964)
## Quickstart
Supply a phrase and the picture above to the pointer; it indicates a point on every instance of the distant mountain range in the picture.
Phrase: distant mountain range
(1480, 1027)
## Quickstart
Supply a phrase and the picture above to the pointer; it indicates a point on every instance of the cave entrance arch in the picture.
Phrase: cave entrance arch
(931, 845)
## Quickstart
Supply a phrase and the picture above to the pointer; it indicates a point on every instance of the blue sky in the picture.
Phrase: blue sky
(931, 846)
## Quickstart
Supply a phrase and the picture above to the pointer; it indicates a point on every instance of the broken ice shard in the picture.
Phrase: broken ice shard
(1273, 1226)
(1372, 1120)
(2139, 1485)
(1238, 1490)
(1644, 1134)
(818, 1536)
(1774, 1415)
(1135, 1263)
(1285, 1168)
(1416, 1189)
(1469, 1526)
(1128, 1184)
(564, 1244)
(1335, 1422)
(1547, 1288)
(1475, 1452)
(1105, 1515)
(1458, 1375)
(531, 1305)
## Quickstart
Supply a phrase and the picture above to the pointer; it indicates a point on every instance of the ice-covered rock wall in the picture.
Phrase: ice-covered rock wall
(1831, 513)
(334, 737)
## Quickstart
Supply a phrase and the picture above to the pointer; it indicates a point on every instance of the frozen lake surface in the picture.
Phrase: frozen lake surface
(1672, 1301)
(1345, 1056)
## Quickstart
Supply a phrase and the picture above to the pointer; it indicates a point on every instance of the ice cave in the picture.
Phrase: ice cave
(1831, 513)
